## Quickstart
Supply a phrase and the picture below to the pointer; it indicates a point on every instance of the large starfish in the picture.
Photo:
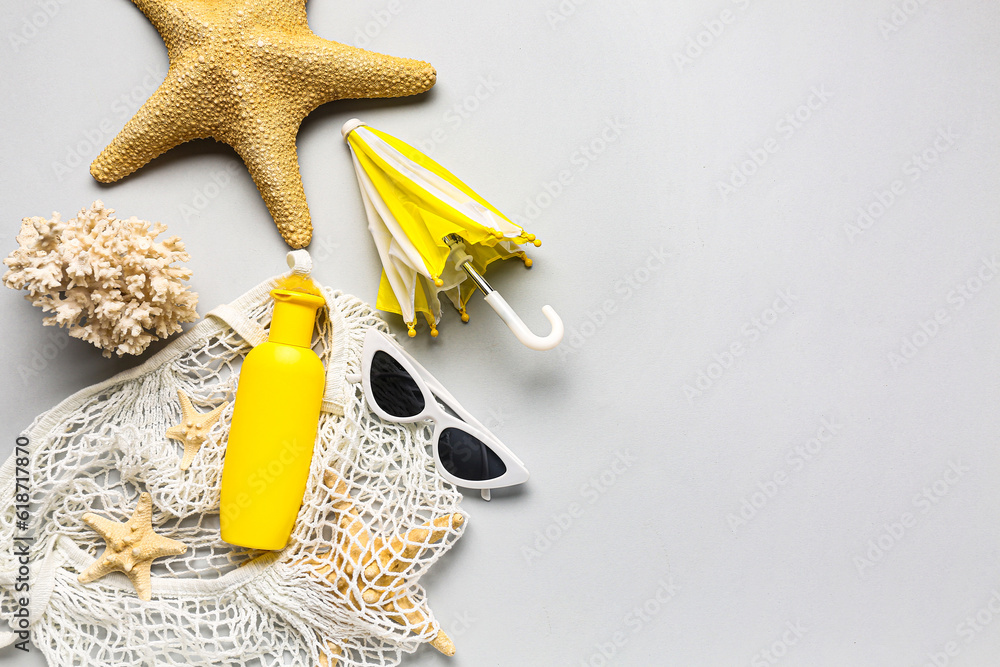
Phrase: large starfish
(378, 568)
(131, 547)
(246, 73)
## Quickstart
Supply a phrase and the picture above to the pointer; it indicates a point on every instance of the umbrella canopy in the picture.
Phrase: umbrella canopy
(431, 230)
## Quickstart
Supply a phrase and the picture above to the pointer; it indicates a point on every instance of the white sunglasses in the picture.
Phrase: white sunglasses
(399, 389)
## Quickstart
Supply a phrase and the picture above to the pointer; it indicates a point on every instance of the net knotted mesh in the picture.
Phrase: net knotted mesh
(374, 518)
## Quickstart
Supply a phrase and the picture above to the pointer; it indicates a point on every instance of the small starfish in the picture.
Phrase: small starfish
(194, 427)
(131, 547)
(378, 568)
(246, 73)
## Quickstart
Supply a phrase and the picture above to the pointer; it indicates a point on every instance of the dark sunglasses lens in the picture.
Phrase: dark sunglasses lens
(466, 457)
(394, 389)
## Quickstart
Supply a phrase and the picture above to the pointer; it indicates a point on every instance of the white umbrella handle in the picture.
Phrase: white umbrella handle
(503, 309)
(521, 330)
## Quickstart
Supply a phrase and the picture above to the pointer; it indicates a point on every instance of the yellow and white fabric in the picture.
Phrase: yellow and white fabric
(413, 205)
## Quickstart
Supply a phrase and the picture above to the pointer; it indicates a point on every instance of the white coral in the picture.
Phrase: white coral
(107, 280)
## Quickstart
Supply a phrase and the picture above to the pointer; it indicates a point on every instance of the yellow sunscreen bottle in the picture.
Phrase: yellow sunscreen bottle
(273, 428)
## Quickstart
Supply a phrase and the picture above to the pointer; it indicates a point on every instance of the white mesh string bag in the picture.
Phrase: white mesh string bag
(343, 592)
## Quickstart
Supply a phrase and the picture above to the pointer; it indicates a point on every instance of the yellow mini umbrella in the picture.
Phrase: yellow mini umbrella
(434, 235)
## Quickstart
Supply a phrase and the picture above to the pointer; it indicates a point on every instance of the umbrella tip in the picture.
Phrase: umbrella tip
(350, 126)
(411, 330)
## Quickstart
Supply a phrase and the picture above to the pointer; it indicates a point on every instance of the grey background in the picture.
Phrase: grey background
(657, 273)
